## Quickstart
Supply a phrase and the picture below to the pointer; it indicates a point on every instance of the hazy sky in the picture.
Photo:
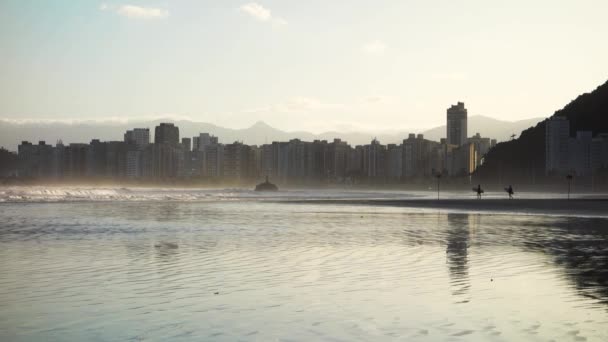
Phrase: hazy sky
(314, 65)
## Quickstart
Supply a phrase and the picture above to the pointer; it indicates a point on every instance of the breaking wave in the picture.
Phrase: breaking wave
(81, 194)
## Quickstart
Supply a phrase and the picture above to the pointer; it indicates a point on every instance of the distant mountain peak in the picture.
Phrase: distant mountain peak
(261, 124)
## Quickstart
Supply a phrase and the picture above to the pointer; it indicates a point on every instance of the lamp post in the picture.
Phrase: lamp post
(438, 176)
(569, 177)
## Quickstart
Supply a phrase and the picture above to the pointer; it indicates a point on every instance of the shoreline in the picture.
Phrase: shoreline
(553, 206)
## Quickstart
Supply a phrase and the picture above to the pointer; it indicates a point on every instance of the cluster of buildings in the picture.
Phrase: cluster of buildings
(294, 161)
(580, 156)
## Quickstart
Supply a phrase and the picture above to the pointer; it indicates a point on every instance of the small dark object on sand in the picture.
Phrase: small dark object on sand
(491, 279)
(216, 293)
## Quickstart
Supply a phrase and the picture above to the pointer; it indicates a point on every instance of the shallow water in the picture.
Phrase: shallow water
(252, 269)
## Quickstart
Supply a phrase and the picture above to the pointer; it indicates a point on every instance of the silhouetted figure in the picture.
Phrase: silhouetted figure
(266, 186)
(510, 191)
(569, 178)
(478, 190)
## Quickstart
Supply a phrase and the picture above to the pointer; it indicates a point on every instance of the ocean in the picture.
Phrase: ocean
(115, 264)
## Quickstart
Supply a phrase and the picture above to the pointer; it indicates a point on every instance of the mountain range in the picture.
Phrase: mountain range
(12, 132)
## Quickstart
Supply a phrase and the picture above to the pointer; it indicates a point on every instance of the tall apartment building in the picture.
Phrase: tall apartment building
(457, 124)
(213, 160)
(140, 137)
(166, 133)
(202, 140)
(482, 146)
(236, 161)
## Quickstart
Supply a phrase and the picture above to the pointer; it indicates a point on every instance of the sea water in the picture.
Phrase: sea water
(82, 264)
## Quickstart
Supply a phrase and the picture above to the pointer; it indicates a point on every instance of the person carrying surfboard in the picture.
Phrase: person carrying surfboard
(478, 190)
(510, 191)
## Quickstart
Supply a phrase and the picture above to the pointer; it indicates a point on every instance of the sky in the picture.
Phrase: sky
(298, 65)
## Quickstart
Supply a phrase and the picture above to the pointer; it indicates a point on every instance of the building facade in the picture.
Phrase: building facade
(457, 124)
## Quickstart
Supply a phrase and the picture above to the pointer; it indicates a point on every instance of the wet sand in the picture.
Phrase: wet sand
(553, 206)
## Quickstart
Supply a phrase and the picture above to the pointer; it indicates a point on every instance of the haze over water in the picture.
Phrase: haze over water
(226, 265)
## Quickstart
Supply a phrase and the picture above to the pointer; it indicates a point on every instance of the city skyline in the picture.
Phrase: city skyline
(205, 157)
(259, 170)
(366, 66)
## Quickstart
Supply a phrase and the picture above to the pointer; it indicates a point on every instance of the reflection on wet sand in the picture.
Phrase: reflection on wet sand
(457, 237)
(580, 247)
(230, 271)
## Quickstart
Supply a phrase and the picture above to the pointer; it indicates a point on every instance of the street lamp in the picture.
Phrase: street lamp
(438, 176)
(569, 177)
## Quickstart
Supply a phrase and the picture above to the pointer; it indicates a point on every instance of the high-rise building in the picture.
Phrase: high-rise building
(579, 153)
(76, 160)
(137, 141)
(335, 159)
(116, 159)
(135, 167)
(599, 151)
(374, 160)
(203, 139)
(463, 160)
(417, 156)
(213, 160)
(395, 161)
(457, 124)
(557, 134)
(236, 161)
(267, 160)
(187, 144)
(482, 146)
(96, 159)
(166, 133)
(139, 137)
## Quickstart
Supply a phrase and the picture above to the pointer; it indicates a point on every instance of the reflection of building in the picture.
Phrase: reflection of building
(457, 251)
(457, 124)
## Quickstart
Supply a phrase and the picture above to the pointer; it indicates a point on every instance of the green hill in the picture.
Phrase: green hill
(523, 160)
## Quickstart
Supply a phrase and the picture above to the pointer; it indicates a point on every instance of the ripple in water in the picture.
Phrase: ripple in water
(255, 270)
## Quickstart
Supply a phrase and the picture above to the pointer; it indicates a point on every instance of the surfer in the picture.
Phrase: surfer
(478, 190)
(510, 191)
